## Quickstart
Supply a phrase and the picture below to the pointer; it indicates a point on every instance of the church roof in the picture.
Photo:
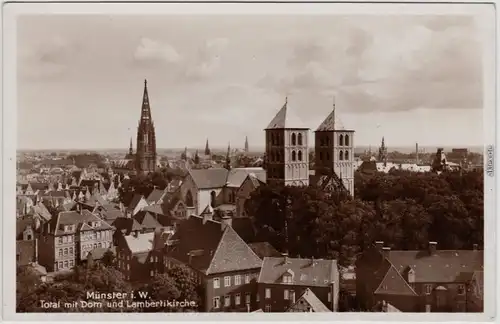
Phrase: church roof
(286, 118)
(331, 123)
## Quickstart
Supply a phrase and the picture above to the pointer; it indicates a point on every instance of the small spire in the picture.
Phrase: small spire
(228, 157)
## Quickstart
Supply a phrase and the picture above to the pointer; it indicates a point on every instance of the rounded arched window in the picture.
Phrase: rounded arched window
(300, 155)
(341, 155)
(294, 156)
(341, 140)
(299, 139)
(346, 140)
(294, 139)
(346, 155)
(189, 199)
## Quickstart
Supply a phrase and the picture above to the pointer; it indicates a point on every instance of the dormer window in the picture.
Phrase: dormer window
(411, 276)
(288, 277)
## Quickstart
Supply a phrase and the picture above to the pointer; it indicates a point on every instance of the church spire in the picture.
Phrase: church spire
(146, 110)
(207, 148)
(130, 149)
(246, 144)
(228, 157)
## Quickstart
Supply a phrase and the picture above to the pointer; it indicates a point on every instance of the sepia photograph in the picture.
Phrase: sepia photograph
(325, 162)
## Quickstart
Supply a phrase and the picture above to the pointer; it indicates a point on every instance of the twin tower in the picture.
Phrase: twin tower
(287, 152)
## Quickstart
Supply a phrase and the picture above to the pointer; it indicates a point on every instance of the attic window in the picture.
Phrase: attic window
(303, 277)
(287, 278)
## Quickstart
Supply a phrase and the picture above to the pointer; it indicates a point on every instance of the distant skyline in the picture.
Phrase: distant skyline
(408, 78)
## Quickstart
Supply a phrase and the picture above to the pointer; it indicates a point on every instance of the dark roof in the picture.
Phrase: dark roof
(215, 248)
(111, 215)
(303, 272)
(146, 220)
(135, 201)
(155, 195)
(126, 224)
(264, 249)
(331, 123)
(443, 266)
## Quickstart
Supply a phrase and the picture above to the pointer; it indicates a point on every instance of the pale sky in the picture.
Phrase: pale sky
(408, 78)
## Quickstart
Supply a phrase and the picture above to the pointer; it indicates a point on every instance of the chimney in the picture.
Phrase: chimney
(226, 221)
(313, 262)
(285, 257)
(379, 245)
(475, 247)
(384, 306)
(385, 251)
(136, 234)
(432, 248)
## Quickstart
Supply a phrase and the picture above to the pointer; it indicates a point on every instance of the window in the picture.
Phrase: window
(247, 278)
(329, 297)
(65, 239)
(286, 294)
(237, 280)
(99, 245)
(247, 298)
(299, 139)
(300, 156)
(341, 155)
(65, 264)
(341, 140)
(212, 198)
(268, 293)
(60, 240)
(227, 281)
(294, 139)
(294, 156)
(151, 273)
(237, 299)
(287, 279)
(227, 301)
(257, 297)
(98, 235)
(461, 289)
(60, 264)
(428, 289)
(70, 239)
(71, 263)
(216, 302)
(292, 296)
(128, 266)
(346, 140)
(95, 245)
(65, 251)
(267, 309)
(346, 155)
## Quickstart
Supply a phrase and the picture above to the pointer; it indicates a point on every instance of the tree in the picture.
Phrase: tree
(185, 283)
(108, 259)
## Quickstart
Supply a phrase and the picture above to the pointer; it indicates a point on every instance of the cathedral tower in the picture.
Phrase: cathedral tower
(287, 149)
(146, 138)
(382, 152)
(334, 151)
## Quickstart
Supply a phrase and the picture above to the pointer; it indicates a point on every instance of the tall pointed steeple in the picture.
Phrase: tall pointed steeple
(207, 148)
(227, 165)
(246, 144)
(130, 149)
(146, 137)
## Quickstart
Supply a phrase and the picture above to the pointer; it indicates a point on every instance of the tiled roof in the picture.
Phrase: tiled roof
(215, 248)
(146, 220)
(394, 284)
(141, 243)
(321, 274)
(286, 118)
(155, 195)
(312, 300)
(443, 266)
(111, 215)
(331, 123)
(135, 201)
(220, 177)
(264, 249)
(155, 209)
(79, 219)
(126, 224)
(209, 178)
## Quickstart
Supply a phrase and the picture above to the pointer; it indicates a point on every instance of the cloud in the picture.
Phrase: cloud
(47, 59)
(421, 63)
(207, 60)
(150, 50)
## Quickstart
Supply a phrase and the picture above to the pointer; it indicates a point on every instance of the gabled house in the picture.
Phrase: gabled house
(431, 280)
(219, 260)
(67, 239)
(308, 302)
(132, 252)
(282, 279)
